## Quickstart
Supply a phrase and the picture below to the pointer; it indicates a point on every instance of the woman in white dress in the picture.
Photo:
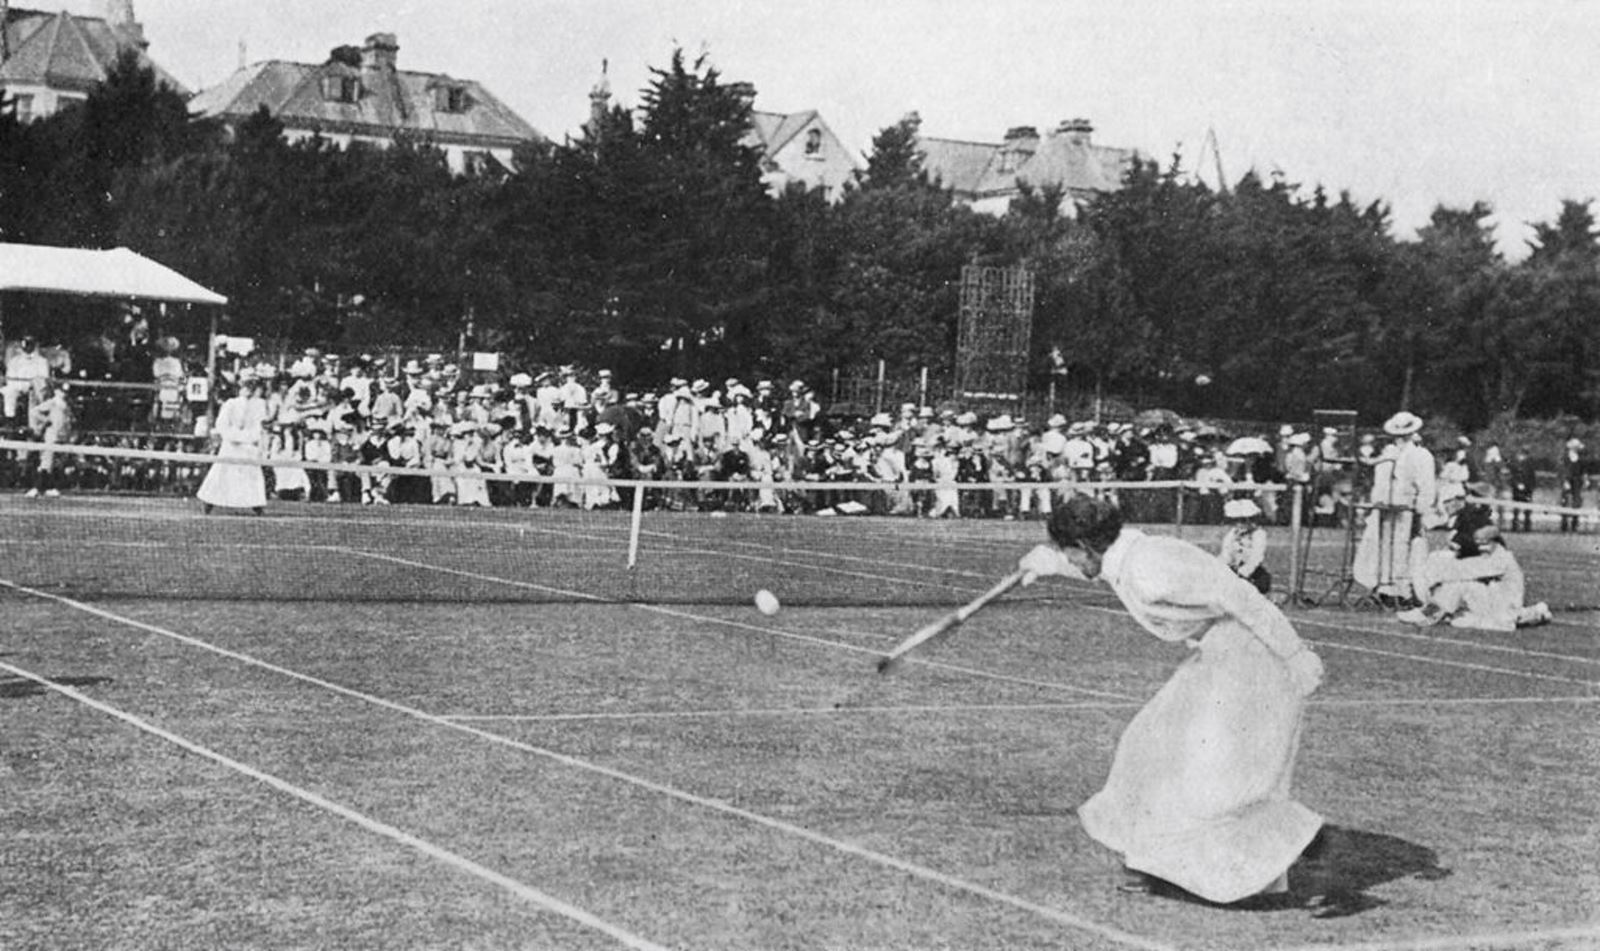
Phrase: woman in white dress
(1198, 793)
(566, 463)
(241, 423)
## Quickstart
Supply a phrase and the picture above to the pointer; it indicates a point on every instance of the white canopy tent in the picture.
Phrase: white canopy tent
(118, 273)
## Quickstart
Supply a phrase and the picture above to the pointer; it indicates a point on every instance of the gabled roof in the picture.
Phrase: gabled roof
(391, 101)
(776, 129)
(63, 51)
(1063, 157)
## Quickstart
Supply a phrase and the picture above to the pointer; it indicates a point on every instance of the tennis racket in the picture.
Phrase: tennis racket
(941, 628)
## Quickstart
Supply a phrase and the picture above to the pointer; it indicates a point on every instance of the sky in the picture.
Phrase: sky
(1415, 103)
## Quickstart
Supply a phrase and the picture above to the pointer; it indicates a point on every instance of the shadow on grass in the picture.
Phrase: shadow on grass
(15, 688)
(1332, 878)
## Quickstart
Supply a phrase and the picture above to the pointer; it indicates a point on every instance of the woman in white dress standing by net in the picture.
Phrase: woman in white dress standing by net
(241, 426)
(1198, 793)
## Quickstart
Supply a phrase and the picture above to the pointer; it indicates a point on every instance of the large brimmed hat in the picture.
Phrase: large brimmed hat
(1240, 508)
(1403, 424)
(1056, 422)
(1000, 424)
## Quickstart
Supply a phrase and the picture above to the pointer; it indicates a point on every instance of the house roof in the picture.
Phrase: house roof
(776, 129)
(1067, 158)
(118, 273)
(64, 51)
(958, 165)
(391, 101)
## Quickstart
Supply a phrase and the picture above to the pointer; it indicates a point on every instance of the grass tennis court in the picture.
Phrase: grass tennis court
(397, 728)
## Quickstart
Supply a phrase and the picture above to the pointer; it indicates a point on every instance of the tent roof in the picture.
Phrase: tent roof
(116, 273)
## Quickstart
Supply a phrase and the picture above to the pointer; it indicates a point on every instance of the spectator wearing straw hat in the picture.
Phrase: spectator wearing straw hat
(373, 450)
(574, 398)
(405, 452)
(1405, 501)
(241, 430)
(1244, 544)
(566, 467)
(50, 422)
(1572, 475)
(1522, 476)
(387, 407)
(466, 449)
(26, 371)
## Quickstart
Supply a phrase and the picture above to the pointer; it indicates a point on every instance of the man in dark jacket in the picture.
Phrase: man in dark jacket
(1523, 477)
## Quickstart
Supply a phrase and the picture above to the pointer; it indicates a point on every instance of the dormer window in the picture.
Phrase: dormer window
(451, 98)
(337, 88)
(814, 143)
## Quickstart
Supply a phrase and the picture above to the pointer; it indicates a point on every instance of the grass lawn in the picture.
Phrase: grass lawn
(443, 744)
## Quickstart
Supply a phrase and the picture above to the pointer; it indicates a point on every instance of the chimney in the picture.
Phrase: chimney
(1077, 131)
(118, 15)
(380, 51)
(600, 97)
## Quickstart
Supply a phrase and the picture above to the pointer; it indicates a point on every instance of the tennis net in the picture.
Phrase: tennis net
(125, 522)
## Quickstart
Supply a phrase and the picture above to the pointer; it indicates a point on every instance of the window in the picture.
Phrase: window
(336, 88)
(814, 143)
(24, 107)
(451, 98)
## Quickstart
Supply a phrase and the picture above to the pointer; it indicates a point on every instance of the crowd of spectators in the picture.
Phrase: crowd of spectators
(578, 427)
(575, 427)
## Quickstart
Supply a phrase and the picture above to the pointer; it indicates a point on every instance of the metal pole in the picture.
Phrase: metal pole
(1296, 582)
(877, 406)
(923, 397)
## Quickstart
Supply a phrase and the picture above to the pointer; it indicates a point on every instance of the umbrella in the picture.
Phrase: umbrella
(1249, 446)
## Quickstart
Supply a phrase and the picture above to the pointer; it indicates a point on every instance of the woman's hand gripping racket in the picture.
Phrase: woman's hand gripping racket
(941, 628)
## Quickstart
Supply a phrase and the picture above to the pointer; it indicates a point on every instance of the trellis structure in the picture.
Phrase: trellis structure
(996, 324)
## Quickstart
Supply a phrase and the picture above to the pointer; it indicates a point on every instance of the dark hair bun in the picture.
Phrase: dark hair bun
(1084, 521)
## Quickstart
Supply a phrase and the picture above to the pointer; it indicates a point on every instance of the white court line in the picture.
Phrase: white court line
(920, 709)
(912, 869)
(435, 852)
(1417, 658)
(1466, 942)
(732, 713)
(1454, 641)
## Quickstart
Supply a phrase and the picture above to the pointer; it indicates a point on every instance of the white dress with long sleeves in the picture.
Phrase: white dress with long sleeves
(1198, 793)
(1405, 489)
(241, 422)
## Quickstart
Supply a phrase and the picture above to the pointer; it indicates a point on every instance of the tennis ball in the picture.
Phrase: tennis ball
(766, 602)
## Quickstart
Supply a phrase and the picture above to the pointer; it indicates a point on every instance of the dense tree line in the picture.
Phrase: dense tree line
(650, 244)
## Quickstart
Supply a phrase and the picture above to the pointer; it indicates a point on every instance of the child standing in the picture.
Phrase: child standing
(1244, 545)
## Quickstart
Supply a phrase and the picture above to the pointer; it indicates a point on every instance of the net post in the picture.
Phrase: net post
(1296, 569)
(636, 521)
(1177, 511)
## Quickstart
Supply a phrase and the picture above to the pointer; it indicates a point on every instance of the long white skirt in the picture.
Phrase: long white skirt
(1198, 793)
(231, 485)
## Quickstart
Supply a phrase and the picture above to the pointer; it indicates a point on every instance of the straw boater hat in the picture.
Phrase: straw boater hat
(1240, 508)
(1403, 424)
(1000, 424)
